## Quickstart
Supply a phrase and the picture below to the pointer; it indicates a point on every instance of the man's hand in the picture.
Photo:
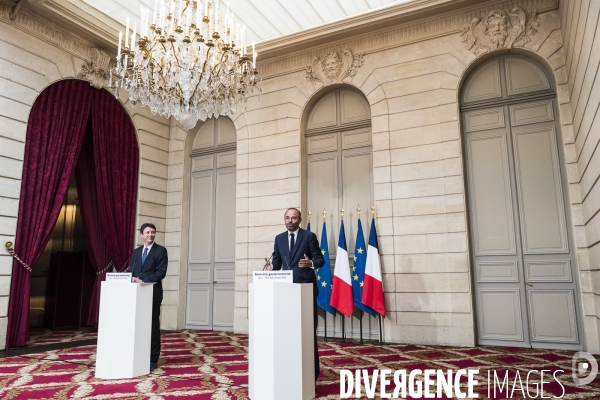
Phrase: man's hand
(268, 265)
(136, 280)
(305, 262)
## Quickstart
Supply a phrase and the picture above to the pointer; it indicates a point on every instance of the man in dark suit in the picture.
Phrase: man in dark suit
(149, 264)
(298, 250)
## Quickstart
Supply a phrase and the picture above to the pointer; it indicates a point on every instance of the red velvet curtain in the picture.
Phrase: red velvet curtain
(116, 157)
(85, 174)
(54, 135)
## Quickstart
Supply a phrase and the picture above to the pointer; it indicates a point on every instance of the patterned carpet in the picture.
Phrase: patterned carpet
(40, 337)
(213, 365)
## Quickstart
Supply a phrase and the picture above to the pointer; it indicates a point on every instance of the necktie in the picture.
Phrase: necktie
(292, 242)
(144, 255)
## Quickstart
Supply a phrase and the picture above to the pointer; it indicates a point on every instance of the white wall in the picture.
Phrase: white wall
(580, 21)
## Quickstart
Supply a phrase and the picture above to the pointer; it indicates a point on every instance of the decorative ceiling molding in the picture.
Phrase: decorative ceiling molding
(428, 28)
(500, 29)
(96, 62)
(47, 31)
(334, 68)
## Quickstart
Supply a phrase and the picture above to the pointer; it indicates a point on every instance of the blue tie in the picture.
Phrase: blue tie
(144, 255)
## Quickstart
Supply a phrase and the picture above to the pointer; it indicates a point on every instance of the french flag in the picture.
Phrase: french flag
(341, 294)
(372, 295)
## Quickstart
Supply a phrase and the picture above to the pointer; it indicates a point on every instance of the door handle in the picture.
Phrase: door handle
(214, 281)
(527, 283)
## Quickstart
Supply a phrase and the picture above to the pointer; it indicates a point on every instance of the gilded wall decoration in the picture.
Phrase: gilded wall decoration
(334, 67)
(96, 70)
(500, 29)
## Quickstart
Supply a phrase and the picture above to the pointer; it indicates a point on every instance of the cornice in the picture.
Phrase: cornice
(83, 20)
(97, 62)
(427, 27)
(47, 31)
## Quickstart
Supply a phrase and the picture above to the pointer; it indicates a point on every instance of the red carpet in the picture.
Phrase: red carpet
(40, 337)
(213, 365)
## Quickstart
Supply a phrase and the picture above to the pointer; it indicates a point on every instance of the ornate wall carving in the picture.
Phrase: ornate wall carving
(334, 68)
(96, 61)
(500, 29)
(97, 69)
(424, 29)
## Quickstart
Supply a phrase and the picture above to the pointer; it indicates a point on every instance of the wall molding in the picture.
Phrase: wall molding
(96, 61)
(450, 23)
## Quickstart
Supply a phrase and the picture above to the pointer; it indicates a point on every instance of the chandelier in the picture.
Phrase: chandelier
(189, 63)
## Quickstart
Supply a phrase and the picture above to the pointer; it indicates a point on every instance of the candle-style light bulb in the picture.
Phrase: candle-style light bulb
(127, 31)
(154, 12)
(133, 36)
(231, 30)
(120, 40)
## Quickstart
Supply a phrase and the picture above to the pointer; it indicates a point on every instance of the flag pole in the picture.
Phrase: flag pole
(324, 220)
(378, 315)
(362, 312)
(343, 319)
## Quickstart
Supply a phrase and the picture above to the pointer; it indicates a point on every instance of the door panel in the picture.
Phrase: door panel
(500, 315)
(541, 203)
(497, 271)
(211, 260)
(225, 216)
(552, 314)
(201, 217)
(491, 202)
(521, 246)
(224, 295)
(200, 313)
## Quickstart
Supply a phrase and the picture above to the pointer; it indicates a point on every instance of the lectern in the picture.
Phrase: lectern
(281, 351)
(124, 330)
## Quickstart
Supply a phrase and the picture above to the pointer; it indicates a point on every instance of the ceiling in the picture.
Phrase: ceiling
(265, 19)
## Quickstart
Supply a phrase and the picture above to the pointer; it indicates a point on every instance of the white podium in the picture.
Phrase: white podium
(281, 351)
(124, 329)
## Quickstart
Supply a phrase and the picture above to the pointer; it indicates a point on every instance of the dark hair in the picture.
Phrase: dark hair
(293, 208)
(147, 225)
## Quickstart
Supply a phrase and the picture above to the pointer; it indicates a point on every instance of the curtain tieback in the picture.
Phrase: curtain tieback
(109, 266)
(123, 269)
(11, 251)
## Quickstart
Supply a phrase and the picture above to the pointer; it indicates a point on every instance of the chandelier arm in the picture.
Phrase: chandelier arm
(199, 80)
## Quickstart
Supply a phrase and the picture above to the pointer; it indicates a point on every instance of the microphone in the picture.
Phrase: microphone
(286, 261)
(269, 260)
(132, 267)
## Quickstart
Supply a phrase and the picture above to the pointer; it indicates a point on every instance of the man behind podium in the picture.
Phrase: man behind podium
(149, 264)
(298, 250)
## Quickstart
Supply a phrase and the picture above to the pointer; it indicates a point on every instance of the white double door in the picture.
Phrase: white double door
(211, 257)
(523, 255)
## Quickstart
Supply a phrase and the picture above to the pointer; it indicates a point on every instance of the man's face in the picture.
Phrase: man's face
(332, 66)
(497, 30)
(292, 220)
(148, 236)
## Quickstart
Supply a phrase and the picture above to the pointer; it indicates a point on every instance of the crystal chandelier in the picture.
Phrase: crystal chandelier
(181, 65)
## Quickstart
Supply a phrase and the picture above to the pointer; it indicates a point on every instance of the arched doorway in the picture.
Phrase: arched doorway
(522, 250)
(211, 257)
(338, 171)
(73, 127)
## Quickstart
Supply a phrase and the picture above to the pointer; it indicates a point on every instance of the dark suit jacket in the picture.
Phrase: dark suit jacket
(305, 243)
(154, 268)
